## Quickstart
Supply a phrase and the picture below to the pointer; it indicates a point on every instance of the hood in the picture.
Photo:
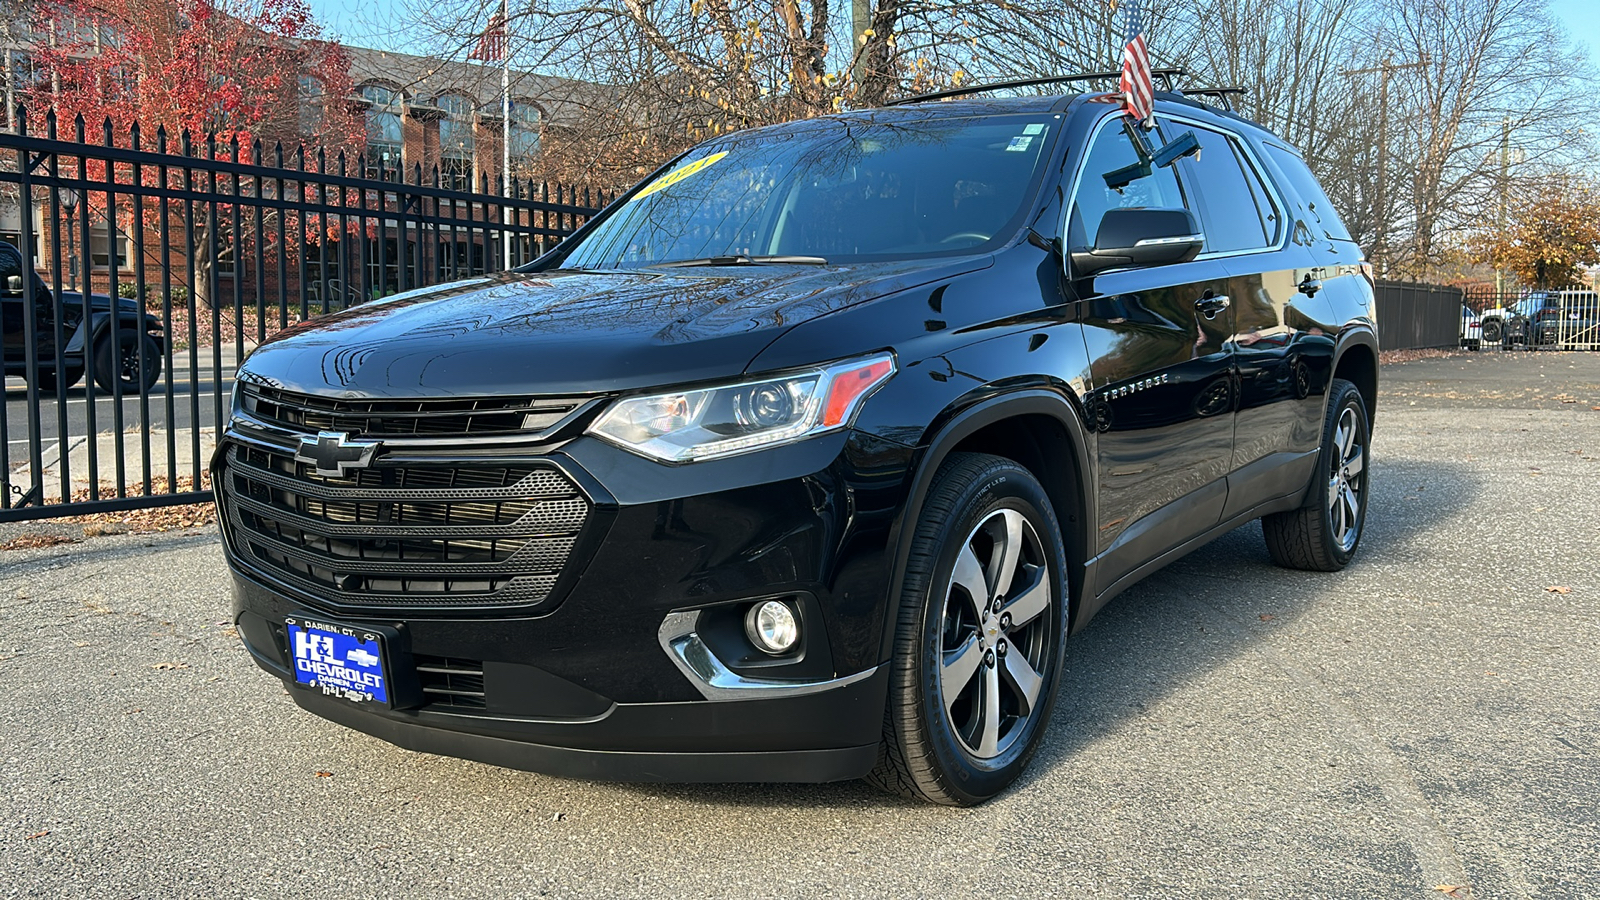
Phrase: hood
(98, 302)
(571, 332)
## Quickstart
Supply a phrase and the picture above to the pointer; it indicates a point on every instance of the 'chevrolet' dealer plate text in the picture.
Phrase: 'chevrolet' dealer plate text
(340, 660)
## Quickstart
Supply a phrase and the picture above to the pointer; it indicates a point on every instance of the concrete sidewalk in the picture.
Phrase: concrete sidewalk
(1428, 719)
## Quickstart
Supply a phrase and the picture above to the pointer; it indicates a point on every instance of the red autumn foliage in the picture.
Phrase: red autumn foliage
(235, 69)
(232, 78)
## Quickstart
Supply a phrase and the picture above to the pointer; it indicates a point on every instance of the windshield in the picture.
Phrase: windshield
(836, 190)
(1529, 305)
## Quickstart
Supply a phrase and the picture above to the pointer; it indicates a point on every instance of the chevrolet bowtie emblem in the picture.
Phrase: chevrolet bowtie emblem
(333, 453)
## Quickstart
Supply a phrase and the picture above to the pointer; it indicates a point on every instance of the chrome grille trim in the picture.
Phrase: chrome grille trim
(535, 484)
(403, 533)
(390, 418)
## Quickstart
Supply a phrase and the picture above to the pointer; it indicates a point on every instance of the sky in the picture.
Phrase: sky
(351, 20)
(1582, 18)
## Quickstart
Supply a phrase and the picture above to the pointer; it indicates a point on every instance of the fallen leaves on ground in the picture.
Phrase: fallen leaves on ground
(1403, 356)
(1452, 890)
(37, 835)
(35, 541)
(324, 774)
(1266, 617)
(1558, 589)
(135, 521)
(170, 665)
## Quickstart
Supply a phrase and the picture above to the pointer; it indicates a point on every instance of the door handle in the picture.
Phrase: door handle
(1310, 286)
(1210, 305)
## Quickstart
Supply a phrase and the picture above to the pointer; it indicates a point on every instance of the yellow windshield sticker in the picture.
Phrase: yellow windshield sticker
(679, 174)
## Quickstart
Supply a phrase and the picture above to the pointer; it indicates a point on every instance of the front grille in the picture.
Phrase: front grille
(448, 681)
(453, 417)
(415, 535)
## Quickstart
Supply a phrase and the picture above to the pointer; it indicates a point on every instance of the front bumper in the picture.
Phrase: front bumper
(589, 686)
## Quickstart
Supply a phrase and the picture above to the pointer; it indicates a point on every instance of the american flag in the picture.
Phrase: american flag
(1138, 90)
(492, 45)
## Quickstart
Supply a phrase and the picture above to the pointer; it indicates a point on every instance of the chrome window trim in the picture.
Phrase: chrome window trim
(1279, 206)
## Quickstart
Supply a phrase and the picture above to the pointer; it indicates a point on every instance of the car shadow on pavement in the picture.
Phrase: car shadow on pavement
(1218, 602)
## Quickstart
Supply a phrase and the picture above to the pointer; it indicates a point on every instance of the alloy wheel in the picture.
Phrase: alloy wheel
(996, 640)
(1347, 481)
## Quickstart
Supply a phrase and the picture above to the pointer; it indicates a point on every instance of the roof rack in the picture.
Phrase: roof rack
(1220, 94)
(1166, 75)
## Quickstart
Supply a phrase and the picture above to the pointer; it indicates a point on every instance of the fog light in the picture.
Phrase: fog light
(772, 626)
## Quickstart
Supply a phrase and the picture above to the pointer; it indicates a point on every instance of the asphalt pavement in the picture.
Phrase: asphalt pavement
(1423, 724)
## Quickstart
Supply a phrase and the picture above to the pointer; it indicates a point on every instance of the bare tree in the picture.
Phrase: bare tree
(1414, 174)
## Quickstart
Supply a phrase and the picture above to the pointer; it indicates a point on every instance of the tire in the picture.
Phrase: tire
(1322, 535)
(1493, 333)
(965, 715)
(47, 379)
(108, 371)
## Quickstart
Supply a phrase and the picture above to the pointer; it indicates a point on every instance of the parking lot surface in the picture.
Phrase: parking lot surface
(1424, 724)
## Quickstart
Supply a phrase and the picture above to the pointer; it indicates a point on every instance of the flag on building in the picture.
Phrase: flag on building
(492, 45)
(1138, 88)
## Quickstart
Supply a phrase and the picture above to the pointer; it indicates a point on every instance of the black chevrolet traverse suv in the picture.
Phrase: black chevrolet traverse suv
(802, 459)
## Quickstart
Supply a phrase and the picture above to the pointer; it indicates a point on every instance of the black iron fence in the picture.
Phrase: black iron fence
(1418, 316)
(142, 268)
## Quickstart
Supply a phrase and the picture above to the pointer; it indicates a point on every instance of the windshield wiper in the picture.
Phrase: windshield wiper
(741, 260)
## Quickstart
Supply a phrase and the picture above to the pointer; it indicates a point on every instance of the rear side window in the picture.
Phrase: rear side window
(1305, 184)
(1234, 207)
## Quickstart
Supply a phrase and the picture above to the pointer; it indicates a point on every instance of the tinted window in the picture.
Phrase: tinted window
(1229, 209)
(1112, 150)
(1311, 193)
(843, 189)
(10, 271)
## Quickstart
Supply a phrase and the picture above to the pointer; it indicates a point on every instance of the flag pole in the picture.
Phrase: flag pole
(505, 132)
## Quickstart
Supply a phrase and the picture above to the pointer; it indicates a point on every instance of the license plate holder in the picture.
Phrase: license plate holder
(350, 662)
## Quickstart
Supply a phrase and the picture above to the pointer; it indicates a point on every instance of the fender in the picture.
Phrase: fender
(100, 323)
(1355, 335)
(965, 423)
(88, 332)
(1359, 334)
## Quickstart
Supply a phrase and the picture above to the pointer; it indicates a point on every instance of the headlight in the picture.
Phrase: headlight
(684, 426)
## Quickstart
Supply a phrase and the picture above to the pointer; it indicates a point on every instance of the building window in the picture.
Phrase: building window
(19, 75)
(456, 142)
(524, 132)
(384, 137)
(311, 105)
(102, 240)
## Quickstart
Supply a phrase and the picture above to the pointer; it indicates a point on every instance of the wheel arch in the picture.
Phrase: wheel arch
(1033, 428)
(1356, 361)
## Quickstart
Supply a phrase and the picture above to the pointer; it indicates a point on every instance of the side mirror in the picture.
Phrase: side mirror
(13, 284)
(1140, 236)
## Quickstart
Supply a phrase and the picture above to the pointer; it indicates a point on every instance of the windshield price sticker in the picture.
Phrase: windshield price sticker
(679, 174)
(1035, 128)
(1019, 144)
(342, 661)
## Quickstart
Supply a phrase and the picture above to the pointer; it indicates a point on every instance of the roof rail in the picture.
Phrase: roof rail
(1166, 75)
(1219, 94)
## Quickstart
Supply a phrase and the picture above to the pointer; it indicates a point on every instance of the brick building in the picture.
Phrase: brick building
(422, 114)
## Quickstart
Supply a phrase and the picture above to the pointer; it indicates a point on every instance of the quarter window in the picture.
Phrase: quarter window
(1311, 193)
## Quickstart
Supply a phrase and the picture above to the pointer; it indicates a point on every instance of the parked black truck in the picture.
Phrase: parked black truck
(129, 353)
(802, 459)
